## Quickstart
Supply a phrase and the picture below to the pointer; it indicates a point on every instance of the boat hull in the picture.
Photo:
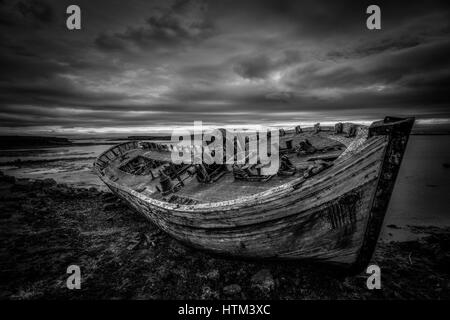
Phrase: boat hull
(334, 217)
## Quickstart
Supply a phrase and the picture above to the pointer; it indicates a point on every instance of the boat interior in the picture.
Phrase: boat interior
(149, 169)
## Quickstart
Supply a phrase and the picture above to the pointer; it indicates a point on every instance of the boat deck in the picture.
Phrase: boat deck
(329, 146)
(332, 212)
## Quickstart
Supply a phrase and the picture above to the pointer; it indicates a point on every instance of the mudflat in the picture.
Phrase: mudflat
(45, 227)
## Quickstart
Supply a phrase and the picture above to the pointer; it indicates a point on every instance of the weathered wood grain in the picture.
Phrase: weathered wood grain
(334, 216)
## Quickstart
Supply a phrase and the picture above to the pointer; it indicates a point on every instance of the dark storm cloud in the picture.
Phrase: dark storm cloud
(259, 66)
(182, 23)
(397, 67)
(144, 63)
(25, 13)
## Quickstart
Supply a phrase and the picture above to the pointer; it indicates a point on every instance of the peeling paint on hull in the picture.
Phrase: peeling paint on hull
(334, 216)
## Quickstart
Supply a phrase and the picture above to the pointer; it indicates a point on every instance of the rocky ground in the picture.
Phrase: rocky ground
(45, 227)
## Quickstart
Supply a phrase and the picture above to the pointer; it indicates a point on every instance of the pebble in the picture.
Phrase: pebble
(208, 293)
(263, 280)
(213, 274)
(232, 289)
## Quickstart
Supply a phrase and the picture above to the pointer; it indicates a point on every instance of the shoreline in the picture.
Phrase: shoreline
(20, 163)
(48, 226)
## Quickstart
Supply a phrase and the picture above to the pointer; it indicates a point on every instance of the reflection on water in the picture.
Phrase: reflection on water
(422, 190)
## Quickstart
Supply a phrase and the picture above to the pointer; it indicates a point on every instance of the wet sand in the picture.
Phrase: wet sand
(68, 164)
(422, 190)
(45, 227)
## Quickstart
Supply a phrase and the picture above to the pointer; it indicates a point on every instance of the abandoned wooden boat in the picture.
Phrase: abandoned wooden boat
(326, 203)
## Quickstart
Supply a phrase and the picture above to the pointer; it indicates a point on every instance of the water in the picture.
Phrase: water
(65, 152)
(68, 164)
(422, 191)
(420, 196)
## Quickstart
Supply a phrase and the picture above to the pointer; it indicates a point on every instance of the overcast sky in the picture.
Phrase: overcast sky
(139, 64)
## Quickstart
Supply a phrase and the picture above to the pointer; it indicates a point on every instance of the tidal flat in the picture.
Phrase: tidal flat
(46, 226)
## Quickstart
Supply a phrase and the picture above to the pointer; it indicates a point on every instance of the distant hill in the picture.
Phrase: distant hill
(15, 142)
(431, 129)
(161, 137)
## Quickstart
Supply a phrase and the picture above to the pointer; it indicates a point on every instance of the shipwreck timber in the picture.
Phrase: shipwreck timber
(327, 202)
